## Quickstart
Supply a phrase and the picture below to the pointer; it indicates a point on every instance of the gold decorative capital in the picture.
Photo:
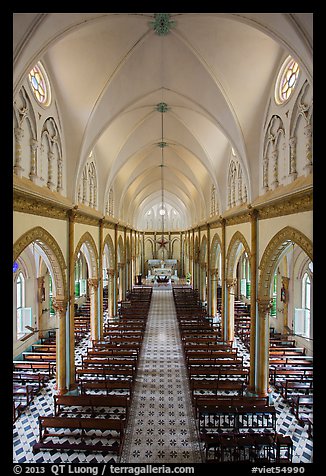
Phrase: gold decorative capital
(264, 306)
(93, 282)
(60, 305)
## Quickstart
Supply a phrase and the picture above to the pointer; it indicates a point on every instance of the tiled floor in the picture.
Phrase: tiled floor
(161, 428)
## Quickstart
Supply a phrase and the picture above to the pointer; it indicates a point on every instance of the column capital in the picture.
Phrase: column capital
(59, 304)
(231, 282)
(93, 282)
(264, 305)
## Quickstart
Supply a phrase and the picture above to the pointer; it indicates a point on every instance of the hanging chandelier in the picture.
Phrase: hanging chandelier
(162, 107)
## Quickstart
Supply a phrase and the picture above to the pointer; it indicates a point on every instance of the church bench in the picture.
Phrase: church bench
(209, 371)
(212, 418)
(202, 402)
(18, 407)
(113, 353)
(277, 373)
(223, 372)
(203, 387)
(293, 387)
(291, 361)
(107, 363)
(47, 367)
(114, 426)
(301, 405)
(105, 346)
(287, 351)
(39, 356)
(254, 447)
(50, 348)
(91, 404)
(104, 373)
(109, 386)
(34, 379)
(193, 348)
(216, 354)
(23, 393)
(282, 342)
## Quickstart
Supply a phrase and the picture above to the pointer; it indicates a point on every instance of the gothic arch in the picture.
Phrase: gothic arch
(91, 247)
(203, 249)
(52, 250)
(273, 251)
(121, 250)
(231, 255)
(216, 242)
(109, 242)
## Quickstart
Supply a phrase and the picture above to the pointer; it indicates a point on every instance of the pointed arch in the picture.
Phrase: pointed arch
(52, 250)
(232, 253)
(272, 253)
(216, 243)
(110, 246)
(92, 259)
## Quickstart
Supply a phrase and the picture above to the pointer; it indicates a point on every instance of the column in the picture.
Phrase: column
(223, 281)
(213, 293)
(264, 306)
(115, 280)
(265, 174)
(50, 183)
(193, 272)
(274, 157)
(230, 286)
(33, 169)
(100, 279)
(59, 185)
(209, 277)
(71, 278)
(293, 158)
(143, 255)
(93, 285)
(60, 306)
(308, 135)
(253, 297)
(19, 134)
(285, 284)
(111, 300)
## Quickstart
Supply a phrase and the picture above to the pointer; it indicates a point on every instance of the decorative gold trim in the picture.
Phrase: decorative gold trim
(273, 251)
(50, 246)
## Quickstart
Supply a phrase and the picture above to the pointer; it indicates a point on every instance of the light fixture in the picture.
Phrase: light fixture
(162, 107)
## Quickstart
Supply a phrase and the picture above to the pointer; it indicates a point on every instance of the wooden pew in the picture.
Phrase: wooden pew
(110, 387)
(302, 406)
(39, 356)
(294, 387)
(34, 379)
(82, 426)
(23, 393)
(47, 367)
(91, 404)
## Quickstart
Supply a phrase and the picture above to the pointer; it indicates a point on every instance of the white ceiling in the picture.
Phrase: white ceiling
(109, 71)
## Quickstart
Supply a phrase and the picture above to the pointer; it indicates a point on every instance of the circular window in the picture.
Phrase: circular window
(40, 85)
(286, 81)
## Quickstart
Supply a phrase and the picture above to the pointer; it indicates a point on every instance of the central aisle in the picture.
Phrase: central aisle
(161, 427)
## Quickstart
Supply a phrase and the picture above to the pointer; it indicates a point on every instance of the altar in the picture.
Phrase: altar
(162, 271)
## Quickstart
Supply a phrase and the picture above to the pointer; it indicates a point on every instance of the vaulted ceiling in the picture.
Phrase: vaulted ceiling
(109, 72)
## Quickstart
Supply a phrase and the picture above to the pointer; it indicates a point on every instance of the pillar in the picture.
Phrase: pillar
(262, 381)
(230, 286)
(93, 285)
(115, 280)
(60, 306)
(253, 297)
(33, 169)
(293, 158)
(209, 278)
(19, 134)
(50, 182)
(71, 343)
(308, 135)
(100, 280)
(223, 279)
(111, 298)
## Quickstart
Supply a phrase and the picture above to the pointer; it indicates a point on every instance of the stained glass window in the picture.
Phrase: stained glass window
(286, 80)
(40, 84)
